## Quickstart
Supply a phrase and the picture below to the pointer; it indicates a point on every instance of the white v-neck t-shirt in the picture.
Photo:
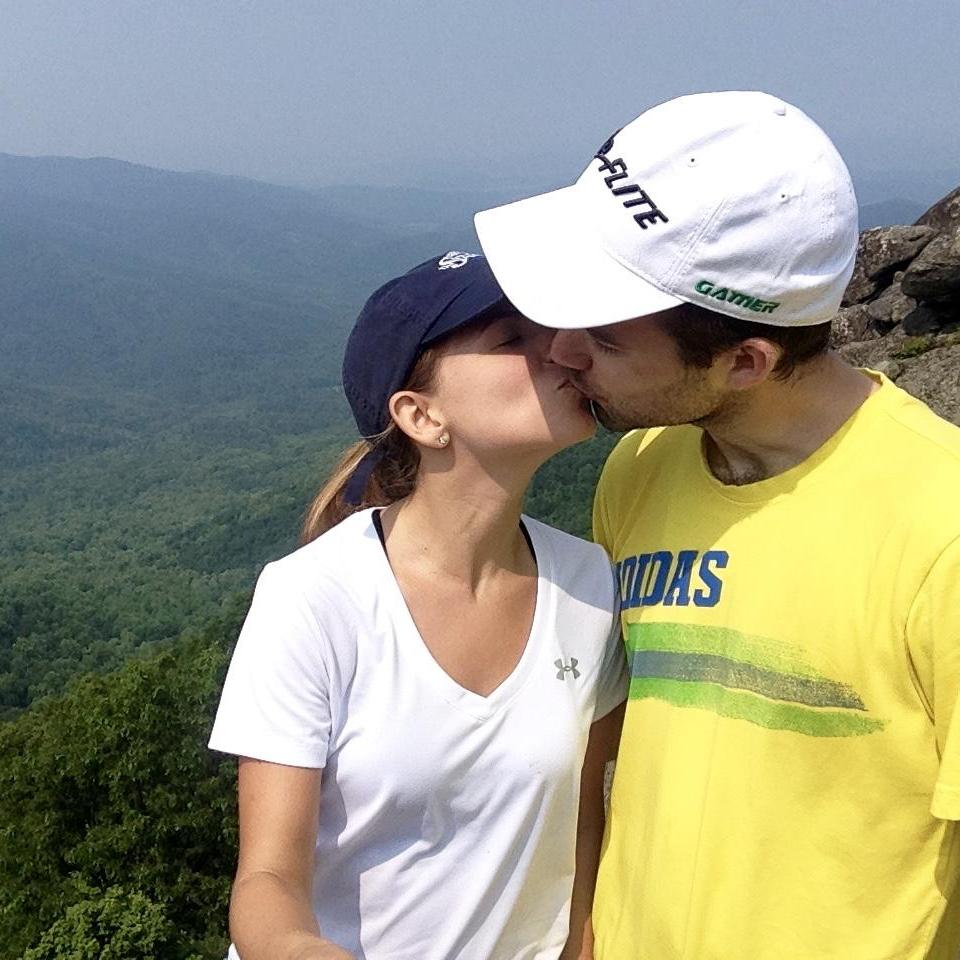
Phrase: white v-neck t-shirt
(447, 819)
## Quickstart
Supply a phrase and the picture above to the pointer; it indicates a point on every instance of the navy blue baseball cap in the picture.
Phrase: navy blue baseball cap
(399, 321)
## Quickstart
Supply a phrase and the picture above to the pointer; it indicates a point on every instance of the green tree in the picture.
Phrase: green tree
(114, 924)
(110, 788)
(562, 490)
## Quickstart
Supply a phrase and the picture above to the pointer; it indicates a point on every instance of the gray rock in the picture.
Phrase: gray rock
(889, 368)
(944, 215)
(860, 287)
(880, 252)
(934, 377)
(925, 318)
(852, 325)
(890, 308)
(935, 273)
(883, 249)
(869, 353)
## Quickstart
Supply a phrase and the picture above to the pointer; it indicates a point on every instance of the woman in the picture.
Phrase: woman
(424, 696)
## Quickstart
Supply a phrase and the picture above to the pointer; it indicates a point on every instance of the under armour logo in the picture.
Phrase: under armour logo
(564, 668)
(454, 260)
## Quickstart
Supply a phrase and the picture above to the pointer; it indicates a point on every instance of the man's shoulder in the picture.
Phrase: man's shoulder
(912, 459)
(910, 429)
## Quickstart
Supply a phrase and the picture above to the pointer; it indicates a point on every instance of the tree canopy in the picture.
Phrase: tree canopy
(116, 822)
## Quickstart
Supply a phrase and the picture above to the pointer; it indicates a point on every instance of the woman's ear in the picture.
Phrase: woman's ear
(416, 416)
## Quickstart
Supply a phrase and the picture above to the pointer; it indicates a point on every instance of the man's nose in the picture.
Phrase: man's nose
(570, 348)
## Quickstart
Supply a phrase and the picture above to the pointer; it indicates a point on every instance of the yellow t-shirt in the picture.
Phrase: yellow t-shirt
(788, 782)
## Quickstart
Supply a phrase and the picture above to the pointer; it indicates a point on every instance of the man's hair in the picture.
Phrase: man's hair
(701, 335)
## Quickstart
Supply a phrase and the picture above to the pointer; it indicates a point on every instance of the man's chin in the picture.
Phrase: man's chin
(620, 423)
(610, 420)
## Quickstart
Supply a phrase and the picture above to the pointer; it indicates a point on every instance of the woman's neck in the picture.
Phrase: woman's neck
(458, 527)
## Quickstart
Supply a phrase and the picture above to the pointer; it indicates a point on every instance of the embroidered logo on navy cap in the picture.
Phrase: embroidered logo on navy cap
(454, 260)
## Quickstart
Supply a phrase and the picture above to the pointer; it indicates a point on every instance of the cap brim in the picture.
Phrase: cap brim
(550, 263)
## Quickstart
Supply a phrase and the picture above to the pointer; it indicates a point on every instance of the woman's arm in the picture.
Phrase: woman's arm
(601, 750)
(271, 915)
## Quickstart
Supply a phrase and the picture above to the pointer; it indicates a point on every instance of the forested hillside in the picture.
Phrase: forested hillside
(169, 382)
(117, 826)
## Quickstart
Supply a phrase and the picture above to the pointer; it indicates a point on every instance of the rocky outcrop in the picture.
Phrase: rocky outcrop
(944, 215)
(891, 307)
(880, 253)
(901, 310)
(935, 273)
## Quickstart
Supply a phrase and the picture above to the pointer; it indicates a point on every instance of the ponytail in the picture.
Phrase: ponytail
(394, 476)
(392, 479)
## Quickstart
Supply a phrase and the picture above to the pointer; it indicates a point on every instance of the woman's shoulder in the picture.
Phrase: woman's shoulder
(313, 601)
(328, 566)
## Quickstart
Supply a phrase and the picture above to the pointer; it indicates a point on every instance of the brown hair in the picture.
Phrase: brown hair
(394, 476)
(701, 334)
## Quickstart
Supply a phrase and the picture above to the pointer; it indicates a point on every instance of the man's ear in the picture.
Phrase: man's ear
(751, 362)
(416, 416)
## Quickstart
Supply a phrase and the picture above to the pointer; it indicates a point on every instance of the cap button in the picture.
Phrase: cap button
(780, 109)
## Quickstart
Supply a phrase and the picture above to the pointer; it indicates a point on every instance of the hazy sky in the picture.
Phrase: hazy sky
(449, 92)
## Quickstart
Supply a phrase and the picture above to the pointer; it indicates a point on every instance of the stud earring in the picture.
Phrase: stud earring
(443, 439)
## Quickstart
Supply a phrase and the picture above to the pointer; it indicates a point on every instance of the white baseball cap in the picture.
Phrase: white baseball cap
(734, 201)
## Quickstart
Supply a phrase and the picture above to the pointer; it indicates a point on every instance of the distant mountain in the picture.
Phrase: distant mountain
(921, 186)
(887, 213)
(415, 210)
(160, 279)
(170, 350)
(132, 296)
(169, 395)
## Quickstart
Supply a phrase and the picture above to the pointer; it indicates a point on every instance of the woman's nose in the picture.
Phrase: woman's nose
(569, 348)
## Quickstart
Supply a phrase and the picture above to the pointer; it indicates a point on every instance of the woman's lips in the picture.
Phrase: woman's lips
(580, 389)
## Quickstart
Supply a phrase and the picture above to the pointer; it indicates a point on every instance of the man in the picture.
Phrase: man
(788, 548)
